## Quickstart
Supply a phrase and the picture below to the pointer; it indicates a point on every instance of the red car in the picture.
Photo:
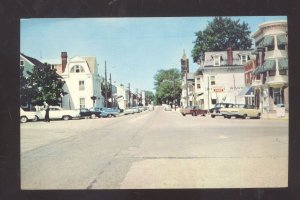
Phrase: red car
(193, 110)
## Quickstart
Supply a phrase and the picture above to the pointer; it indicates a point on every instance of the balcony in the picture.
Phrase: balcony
(257, 83)
(277, 81)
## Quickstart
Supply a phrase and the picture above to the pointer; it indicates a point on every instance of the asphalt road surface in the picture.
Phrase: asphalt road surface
(154, 149)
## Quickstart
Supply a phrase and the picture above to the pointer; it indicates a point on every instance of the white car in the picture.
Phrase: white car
(57, 112)
(27, 116)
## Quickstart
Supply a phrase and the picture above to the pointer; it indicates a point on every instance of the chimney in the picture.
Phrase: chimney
(229, 56)
(64, 60)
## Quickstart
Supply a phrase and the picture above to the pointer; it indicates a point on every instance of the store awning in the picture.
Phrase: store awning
(269, 65)
(258, 70)
(283, 63)
(282, 40)
(247, 92)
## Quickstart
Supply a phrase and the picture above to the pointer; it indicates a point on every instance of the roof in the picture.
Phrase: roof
(209, 57)
(91, 61)
(33, 61)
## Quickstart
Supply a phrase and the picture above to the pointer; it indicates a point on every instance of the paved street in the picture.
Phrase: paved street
(154, 149)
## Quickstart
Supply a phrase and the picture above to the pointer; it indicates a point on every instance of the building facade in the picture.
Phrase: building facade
(270, 80)
(220, 78)
(82, 82)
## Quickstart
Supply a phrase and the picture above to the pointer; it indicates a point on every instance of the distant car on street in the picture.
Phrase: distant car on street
(26, 116)
(57, 112)
(241, 111)
(167, 108)
(193, 110)
(128, 111)
(216, 110)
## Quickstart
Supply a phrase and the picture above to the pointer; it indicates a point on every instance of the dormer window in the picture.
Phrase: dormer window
(244, 59)
(217, 60)
(77, 69)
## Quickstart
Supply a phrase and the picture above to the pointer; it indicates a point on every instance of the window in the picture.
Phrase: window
(283, 72)
(81, 85)
(244, 59)
(213, 101)
(217, 60)
(77, 69)
(198, 86)
(212, 80)
(82, 103)
(21, 62)
(272, 73)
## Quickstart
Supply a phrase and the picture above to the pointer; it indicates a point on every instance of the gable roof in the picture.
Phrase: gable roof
(33, 61)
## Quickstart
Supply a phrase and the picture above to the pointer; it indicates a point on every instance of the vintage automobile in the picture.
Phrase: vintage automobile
(109, 112)
(193, 110)
(57, 112)
(26, 116)
(89, 113)
(128, 111)
(241, 111)
(216, 110)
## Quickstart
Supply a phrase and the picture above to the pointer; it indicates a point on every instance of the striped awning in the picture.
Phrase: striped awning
(269, 65)
(283, 63)
(282, 40)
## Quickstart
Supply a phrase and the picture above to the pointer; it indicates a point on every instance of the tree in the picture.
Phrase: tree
(106, 88)
(220, 34)
(167, 85)
(45, 85)
(149, 97)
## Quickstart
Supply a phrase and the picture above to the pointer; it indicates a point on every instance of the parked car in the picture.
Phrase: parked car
(26, 116)
(241, 111)
(109, 112)
(96, 112)
(57, 112)
(128, 111)
(193, 110)
(216, 110)
(87, 113)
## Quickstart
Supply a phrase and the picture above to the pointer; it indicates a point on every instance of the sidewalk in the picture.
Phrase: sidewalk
(273, 115)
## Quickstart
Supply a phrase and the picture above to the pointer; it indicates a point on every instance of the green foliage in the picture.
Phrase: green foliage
(106, 88)
(167, 85)
(44, 84)
(149, 97)
(220, 34)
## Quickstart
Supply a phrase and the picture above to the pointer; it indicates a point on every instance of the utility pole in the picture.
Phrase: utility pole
(174, 98)
(186, 87)
(105, 86)
(208, 91)
(128, 94)
(234, 88)
(111, 94)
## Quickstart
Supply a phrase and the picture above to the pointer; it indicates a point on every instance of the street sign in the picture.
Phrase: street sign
(218, 89)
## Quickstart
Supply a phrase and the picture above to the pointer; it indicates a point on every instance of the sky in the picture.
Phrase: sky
(134, 48)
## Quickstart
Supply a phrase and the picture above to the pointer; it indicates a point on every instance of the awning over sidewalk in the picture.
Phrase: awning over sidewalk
(283, 63)
(247, 92)
(269, 65)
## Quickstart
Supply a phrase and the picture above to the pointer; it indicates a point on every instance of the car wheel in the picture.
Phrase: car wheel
(228, 116)
(35, 119)
(183, 114)
(213, 116)
(23, 119)
(258, 116)
(66, 117)
(109, 116)
(93, 116)
(244, 116)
